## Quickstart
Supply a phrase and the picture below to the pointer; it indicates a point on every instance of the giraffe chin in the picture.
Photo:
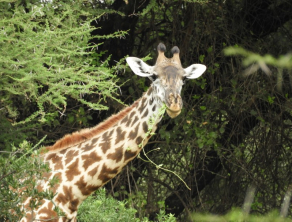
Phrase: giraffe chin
(172, 113)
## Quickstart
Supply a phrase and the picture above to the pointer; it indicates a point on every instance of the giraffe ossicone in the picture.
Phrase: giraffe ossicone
(86, 160)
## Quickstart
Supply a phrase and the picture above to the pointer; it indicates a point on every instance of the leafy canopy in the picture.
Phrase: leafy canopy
(46, 59)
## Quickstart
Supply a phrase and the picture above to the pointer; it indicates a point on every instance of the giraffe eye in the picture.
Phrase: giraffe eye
(153, 78)
(184, 79)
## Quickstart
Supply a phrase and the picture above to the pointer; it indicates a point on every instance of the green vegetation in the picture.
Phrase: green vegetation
(14, 165)
(103, 209)
(236, 215)
(62, 68)
(46, 66)
(46, 62)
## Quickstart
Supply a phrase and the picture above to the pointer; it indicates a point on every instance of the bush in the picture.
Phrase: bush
(236, 215)
(47, 62)
(99, 208)
(19, 171)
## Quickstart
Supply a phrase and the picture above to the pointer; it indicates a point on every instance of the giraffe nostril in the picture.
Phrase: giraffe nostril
(171, 98)
(174, 98)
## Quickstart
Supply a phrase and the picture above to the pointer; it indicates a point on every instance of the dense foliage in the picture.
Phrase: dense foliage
(59, 64)
(46, 62)
(103, 208)
(48, 73)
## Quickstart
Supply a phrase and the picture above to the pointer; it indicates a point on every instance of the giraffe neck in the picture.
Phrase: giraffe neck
(84, 167)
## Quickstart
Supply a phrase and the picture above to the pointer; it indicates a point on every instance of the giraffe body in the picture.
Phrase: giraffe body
(86, 160)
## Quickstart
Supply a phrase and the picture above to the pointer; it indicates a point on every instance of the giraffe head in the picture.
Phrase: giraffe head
(170, 75)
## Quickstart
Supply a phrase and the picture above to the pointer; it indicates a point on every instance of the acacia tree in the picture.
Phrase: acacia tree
(50, 75)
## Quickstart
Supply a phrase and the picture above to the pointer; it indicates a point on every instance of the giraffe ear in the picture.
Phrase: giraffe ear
(194, 71)
(139, 67)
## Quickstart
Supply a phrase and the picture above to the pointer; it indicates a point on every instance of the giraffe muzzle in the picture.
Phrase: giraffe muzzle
(175, 106)
(173, 113)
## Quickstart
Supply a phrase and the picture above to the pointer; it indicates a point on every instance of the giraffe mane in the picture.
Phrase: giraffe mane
(88, 133)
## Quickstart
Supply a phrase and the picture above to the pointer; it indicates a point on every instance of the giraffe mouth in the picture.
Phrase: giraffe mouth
(173, 113)
(174, 104)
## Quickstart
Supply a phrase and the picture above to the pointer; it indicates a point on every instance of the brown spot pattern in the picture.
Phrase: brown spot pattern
(150, 90)
(29, 217)
(143, 105)
(145, 127)
(63, 151)
(139, 141)
(49, 211)
(84, 188)
(46, 175)
(81, 184)
(111, 132)
(129, 155)
(132, 114)
(117, 155)
(89, 159)
(154, 108)
(151, 100)
(105, 145)
(125, 120)
(66, 196)
(59, 177)
(107, 173)
(145, 114)
(93, 172)
(129, 121)
(73, 206)
(94, 141)
(135, 121)
(39, 188)
(72, 170)
(88, 147)
(56, 160)
(64, 219)
(50, 157)
(120, 135)
(70, 155)
(133, 134)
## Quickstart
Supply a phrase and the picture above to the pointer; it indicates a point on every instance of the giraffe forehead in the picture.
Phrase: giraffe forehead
(166, 62)
(171, 75)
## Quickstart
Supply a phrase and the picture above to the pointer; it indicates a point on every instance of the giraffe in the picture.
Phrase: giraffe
(85, 160)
